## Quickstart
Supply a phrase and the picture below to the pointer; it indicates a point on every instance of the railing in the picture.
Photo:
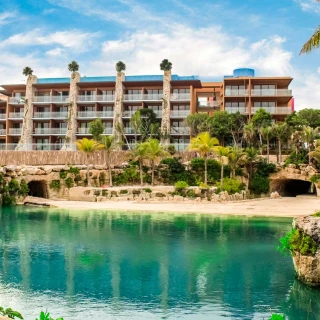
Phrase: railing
(3, 116)
(42, 115)
(53, 131)
(143, 97)
(95, 114)
(133, 97)
(83, 131)
(271, 92)
(209, 104)
(128, 130)
(107, 130)
(50, 115)
(16, 115)
(35, 146)
(236, 93)
(51, 99)
(235, 110)
(15, 131)
(128, 114)
(2, 132)
(179, 113)
(158, 113)
(180, 96)
(181, 146)
(275, 111)
(180, 130)
(16, 100)
(95, 98)
(59, 115)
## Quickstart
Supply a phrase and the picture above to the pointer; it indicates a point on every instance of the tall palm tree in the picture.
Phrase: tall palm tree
(136, 123)
(249, 158)
(204, 144)
(309, 136)
(234, 157)
(110, 145)
(155, 151)
(281, 132)
(88, 147)
(249, 133)
(165, 65)
(140, 153)
(222, 153)
(267, 134)
(27, 71)
(120, 66)
(73, 66)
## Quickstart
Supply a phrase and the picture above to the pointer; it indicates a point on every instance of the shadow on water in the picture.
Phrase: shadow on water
(149, 266)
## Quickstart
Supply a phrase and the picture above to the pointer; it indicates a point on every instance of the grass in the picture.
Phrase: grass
(317, 214)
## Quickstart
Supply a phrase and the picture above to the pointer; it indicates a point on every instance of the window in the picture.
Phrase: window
(177, 107)
(269, 106)
(42, 125)
(86, 108)
(264, 89)
(107, 108)
(233, 107)
(154, 91)
(181, 91)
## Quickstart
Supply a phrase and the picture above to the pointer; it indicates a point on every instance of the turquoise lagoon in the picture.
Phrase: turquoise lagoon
(112, 265)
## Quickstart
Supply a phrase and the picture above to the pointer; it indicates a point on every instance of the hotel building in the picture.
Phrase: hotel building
(97, 97)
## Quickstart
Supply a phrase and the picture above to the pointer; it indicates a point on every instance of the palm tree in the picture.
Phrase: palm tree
(234, 157)
(309, 136)
(249, 133)
(281, 131)
(249, 158)
(222, 153)
(110, 144)
(155, 151)
(315, 155)
(88, 147)
(73, 66)
(120, 66)
(267, 134)
(165, 65)
(204, 144)
(27, 71)
(136, 123)
(140, 153)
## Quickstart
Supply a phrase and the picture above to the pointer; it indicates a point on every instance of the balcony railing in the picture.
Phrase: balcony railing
(180, 96)
(35, 146)
(2, 132)
(235, 110)
(83, 131)
(51, 99)
(128, 114)
(48, 131)
(236, 93)
(59, 115)
(95, 98)
(16, 115)
(15, 131)
(3, 116)
(128, 130)
(179, 113)
(107, 130)
(95, 114)
(143, 97)
(16, 100)
(274, 111)
(181, 146)
(209, 104)
(180, 130)
(271, 92)
(42, 115)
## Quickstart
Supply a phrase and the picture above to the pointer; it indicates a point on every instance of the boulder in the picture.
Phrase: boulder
(274, 195)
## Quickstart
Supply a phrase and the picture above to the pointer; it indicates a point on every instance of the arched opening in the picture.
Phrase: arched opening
(293, 187)
(38, 189)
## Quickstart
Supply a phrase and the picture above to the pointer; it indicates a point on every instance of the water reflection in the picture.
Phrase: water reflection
(118, 265)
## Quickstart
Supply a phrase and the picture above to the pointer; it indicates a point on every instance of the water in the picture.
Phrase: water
(111, 265)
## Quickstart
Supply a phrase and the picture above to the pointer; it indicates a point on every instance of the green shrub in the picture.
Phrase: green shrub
(203, 186)
(69, 182)
(277, 317)
(315, 178)
(123, 191)
(129, 175)
(24, 189)
(264, 168)
(13, 187)
(259, 184)
(8, 312)
(8, 200)
(104, 193)
(63, 174)
(231, 186)
(74, 170)
(190, 193)
(180, 185)
(297, 241)
(171, 149)
(55, 185)
(300, 158)
(97, 193)
(317, 214)
(148, 190)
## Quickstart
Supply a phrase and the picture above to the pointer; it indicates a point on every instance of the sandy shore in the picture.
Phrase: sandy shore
(282, 207)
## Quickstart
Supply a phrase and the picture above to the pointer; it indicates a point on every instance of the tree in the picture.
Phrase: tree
(140, 153)
(204, 144)
(222, 154)
(311, 116)
(135, 123)
(267, 134)
(236, 123)
(309, 136)
(27, 71)
(234, 158)
(148, 121)
(249, 159)
(165, 65)
(218, 125)
(154, 152)
(295, 121)
(110, 144)
(96, 128)
(120, 66)
(197, 122)
(249, 134)
(281, 131)
(73, 66)
(88, 147)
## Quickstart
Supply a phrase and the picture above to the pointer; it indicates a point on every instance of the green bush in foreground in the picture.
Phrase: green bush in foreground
(297, 241)
(259, 184)
(277, 317)
(231, 186)
(180, 185)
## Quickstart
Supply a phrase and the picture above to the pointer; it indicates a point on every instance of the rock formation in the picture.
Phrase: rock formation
(165, 122)
(117, 118)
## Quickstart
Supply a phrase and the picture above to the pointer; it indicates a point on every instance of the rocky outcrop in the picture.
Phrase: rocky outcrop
(165, 122)
(27, 125)
(307, 267)
(118, 108)
(70, 137)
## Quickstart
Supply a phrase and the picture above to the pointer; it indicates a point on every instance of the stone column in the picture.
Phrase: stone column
(70, 138)
(27, 125)
(118, 108)
(165, 122)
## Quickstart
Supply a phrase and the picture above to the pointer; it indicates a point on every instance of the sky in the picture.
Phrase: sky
(199, 37)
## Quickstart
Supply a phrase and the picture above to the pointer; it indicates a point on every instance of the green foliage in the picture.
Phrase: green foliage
(191, 193)
(180, 185)
(297, 241)
(264, 168)
(55, 185)
(97, 193)
(10, 313)
(46, 316)
(148, 190)
(130, 175)
(69, 182)
(63, 174)
(197, 122)
(276, 316)
(96, 128)
(311, 116)
(160, 195)
(218, 125)
(295, 121)
(74, 170)
(231, 185)
(123, 191)
(315, 178)
(24, 189)
(120, 66)
(203, 186)
(73, 66)
(297, 158)
(171, 149)
(259, 184)
(13, 187)
(104, 193)
(261, 118)
(165, 65)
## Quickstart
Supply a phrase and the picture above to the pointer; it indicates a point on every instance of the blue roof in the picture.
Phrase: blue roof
(53, 80)
(98, 79)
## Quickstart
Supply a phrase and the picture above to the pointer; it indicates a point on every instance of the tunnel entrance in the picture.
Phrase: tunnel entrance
(38, 189)
(293, 188)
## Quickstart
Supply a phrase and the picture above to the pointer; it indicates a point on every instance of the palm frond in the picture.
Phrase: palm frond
(312, 43)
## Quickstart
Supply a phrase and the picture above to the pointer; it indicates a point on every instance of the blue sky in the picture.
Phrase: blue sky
(210, 38)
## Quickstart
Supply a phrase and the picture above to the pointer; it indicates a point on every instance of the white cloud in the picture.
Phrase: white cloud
(7, 17)
(55, 52)
(309, 5)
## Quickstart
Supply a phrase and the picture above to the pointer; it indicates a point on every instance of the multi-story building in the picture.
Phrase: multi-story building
(96, 98)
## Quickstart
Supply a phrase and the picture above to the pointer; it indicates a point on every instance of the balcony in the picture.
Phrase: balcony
(51, 99)
(41, 115)
(7, 146)
(179, 113)
(16, 115)
(180, 130)
(50, 131)
(15, 131)
(107, 130)
(16, 100)
(59, 115)
(235, 110)
(236, 93)
(95, 98)
(95, 114)
(3, 132)
(34, 146)
(128, 130)
(180, 97)
(128, 114)
(3, 116)
(84, 131)
(143, 97)
(271, 92)
(181, 146)
(273, 111)
(209, 104)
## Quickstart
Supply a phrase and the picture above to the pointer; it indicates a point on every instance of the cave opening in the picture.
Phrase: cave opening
(293, 188)
(38, 189)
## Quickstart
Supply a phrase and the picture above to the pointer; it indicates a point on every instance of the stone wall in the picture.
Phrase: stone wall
(165, 121)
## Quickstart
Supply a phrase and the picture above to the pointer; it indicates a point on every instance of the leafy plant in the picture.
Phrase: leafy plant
(190, 193)
(260, 184)
(181, 185)
(69, 182)
(74, 170)
(104, 193)
(317, 214)
(120, 66)
(123, 191)
(55, 185)
(96, 128)
(148, 190)
(13, 187)
(204, 186)
(165, 65)
(276, 316)
(24, 189)
(297, 158)
(77, 178)
(10, 313)
(46, 316)
(231, 185)
(315, 178)
(63, 174)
